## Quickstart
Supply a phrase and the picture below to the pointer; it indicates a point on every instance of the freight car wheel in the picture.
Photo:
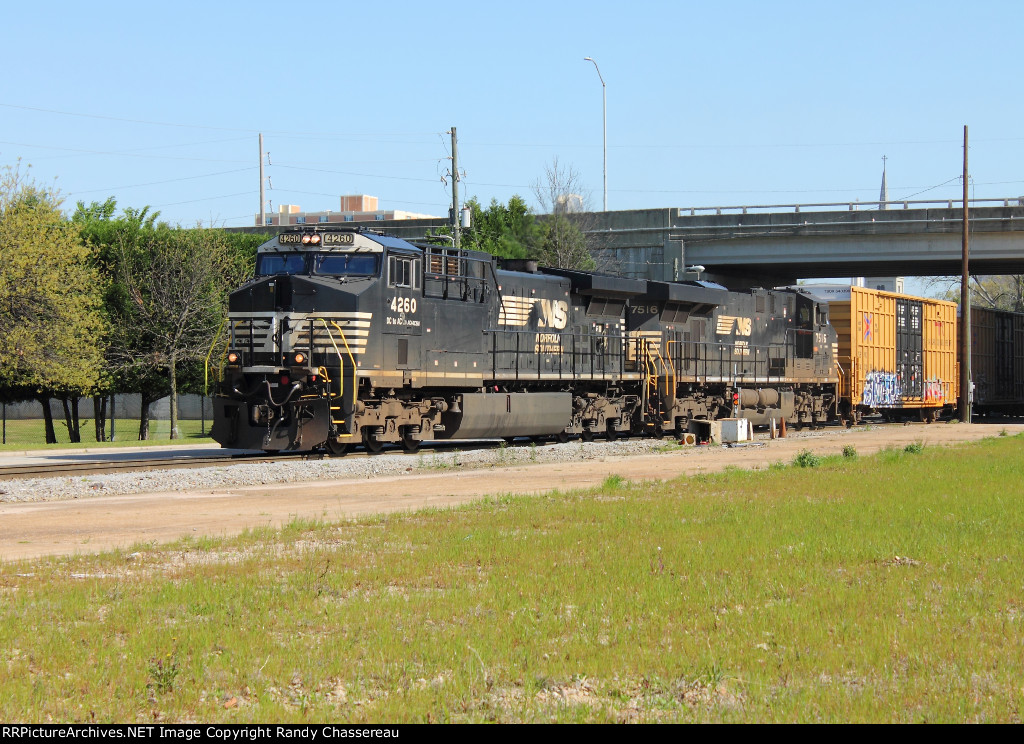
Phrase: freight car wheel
(562, 437)
(587, 435)
(611, 434)
(410, 444)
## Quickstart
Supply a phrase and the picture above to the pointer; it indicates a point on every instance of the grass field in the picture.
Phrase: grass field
(883, 588)
(30, 434)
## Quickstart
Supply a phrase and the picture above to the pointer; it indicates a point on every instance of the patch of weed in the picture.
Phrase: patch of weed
(807, 459)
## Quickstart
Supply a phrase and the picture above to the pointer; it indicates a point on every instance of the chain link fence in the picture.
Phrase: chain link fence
(23, 423)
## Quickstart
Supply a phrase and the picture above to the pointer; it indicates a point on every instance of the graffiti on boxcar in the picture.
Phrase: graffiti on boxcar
(882, 389)
(933, 392)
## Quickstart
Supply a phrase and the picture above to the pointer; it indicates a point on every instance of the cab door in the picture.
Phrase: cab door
(403, 312)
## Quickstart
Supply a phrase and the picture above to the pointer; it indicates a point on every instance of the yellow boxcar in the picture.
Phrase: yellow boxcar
(895, 353)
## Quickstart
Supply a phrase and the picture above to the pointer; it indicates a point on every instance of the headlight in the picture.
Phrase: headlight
(234, 357)
(298, 359)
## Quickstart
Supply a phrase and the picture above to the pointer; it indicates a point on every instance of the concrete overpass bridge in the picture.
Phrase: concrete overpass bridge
(778, 244)
(774, 245)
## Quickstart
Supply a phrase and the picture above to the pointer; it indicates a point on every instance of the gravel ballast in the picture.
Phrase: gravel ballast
(336, 468)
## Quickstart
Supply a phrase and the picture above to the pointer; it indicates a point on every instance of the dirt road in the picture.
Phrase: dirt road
(29, 530)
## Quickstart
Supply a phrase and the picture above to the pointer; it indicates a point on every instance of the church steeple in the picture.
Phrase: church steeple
(883, 195)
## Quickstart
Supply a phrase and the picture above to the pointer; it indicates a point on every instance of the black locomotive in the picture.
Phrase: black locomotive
(351, 337)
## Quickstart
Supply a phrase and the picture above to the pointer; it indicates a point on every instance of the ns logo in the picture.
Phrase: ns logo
(553, 313)
(519, 311)
(726, 323)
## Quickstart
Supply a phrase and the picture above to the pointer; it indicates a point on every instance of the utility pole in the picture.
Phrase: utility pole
(455, 189)
(263, 202)
(965, 311)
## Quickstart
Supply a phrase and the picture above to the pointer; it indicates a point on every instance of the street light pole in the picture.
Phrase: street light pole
(604, 99)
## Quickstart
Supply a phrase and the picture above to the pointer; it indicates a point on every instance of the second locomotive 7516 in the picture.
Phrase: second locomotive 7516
(351, 337)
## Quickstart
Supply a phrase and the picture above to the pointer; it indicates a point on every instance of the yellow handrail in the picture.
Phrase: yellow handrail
(671, 364)
(206, 362)
(341, 366)
(666, 366)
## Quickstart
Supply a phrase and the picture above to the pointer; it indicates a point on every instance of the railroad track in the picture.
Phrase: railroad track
(105, 467)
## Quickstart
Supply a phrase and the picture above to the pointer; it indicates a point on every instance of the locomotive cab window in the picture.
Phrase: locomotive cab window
(269, 264)
(347, 264)
(403, 271)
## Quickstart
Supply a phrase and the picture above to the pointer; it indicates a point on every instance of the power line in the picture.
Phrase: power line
(122, 153)
(158, 183)
(176, 125)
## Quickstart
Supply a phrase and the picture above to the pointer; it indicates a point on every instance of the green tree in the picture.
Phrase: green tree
(166, 298)
(505, 230)
(51, 322)
(177, 283)
(563, 244)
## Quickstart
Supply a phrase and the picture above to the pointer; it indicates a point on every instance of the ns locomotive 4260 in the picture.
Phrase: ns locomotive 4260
(350, 337)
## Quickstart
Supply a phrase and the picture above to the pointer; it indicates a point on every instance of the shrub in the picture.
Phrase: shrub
(613, 482)
(849, 451)
(807, 459)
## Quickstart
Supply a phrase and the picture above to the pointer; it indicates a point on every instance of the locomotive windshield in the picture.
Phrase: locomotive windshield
(268, 264)
(347, 264)
(330, 264)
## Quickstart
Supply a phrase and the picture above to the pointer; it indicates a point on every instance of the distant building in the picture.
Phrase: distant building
(357, 208)
(884, 283)
(568, 203)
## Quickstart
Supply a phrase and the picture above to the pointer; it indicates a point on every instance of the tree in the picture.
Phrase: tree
(176, 283)
(508, 231)
(563, 243)
(51, 323)
(1003, 292)
(166, 298)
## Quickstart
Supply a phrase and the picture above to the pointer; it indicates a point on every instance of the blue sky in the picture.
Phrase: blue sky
(160, 104)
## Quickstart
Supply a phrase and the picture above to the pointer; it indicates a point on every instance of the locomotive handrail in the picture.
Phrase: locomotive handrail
(842, 380)
(341, 366)
(206, 362)
(459, 277)
(671, 364)
(584, 359)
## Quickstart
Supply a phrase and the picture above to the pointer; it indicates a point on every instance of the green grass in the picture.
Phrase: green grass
(881, 588)
(30, 434)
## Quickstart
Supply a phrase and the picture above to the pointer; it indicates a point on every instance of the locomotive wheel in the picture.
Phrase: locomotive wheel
(337, 448)
(372, 444)
(411, 444)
